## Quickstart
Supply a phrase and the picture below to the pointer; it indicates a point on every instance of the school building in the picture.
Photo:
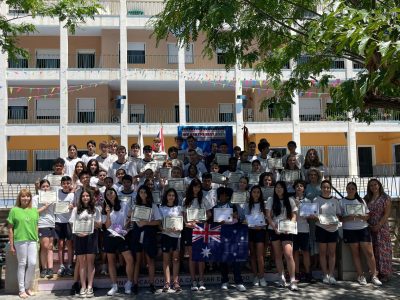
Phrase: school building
(103, 81)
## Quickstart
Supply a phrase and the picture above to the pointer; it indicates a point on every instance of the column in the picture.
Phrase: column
(352, 147)
(296, 120)
(239, 106)
(182, 84)
(123, 44)
(3, 116)
(63, 90)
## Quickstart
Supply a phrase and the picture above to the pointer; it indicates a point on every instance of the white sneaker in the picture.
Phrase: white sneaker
(128, 287)
(325, 279)
(293, 286)
(263, 283)
(194, 287)
(282, 282)
(113, 291)
(224, 286)
(202, 287)
(332, 280)
(361, 280)
(256, 281)
(240, 287)
(376, 281)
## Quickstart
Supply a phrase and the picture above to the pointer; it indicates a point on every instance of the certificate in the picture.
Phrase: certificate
(275, 163)
(222, 159)
(165, 172)
(245, 167)
(61, 207)
(55, 180)
(156, 197)
(267, 192)
(153, 165)
(239, 197)
(125, 198)
(234, 177)
(218, 178)
(196, 214)
(354, 209)
(47, 197)
(141, 213)
(287, 226)
(223, 214)
(177, 183)
(254, 178)
(175, 223)
(159, 156)
(290, 175)
(325, 219)
(255, 220)
(181, 155)
(84, 226)
(309, 209)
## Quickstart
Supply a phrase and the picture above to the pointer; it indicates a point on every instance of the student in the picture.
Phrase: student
(144, 237)
(91, 147)
(356, 233)
(113, 150)
(86, 245)
(195, 159)
(251, 152)
(105, 159)
(192, 174)
(291, 172)
(93, 167)
(63, 227)
(327, 235)
(58, 168)
(263, 157)
(120, 163)
(127, 194)
(118, 182)
(209, 194)
(291, 145)
(312, 161)
(79, 167)
(98, 181)
(257, 234)
(280, 207)
(114, 215)
(71, 160)
(232, 168)
(170, 241)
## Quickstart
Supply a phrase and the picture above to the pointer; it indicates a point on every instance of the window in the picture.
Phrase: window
(86, 110)
(358, 66)
(338, 64)
(310, 109)
(287, 66)
(303, 59)
(226, 112)
(17, 160)
(18, 109)
(44, 159)
(177, 113)
(48, 59)
(86, 59)
(137, 113)
(48, 109)
(136, 53)
(173, 54)
(15, 9)
(220, 57)
(18, 63)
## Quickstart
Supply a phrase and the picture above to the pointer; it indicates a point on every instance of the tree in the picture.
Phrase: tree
(268, 34)
(71, 12)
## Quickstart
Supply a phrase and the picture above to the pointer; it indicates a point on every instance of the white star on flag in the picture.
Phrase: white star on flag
(206, 252)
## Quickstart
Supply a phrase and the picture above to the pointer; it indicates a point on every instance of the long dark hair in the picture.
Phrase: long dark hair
(164, 201)
(260, 200)
(149, 197)
(96, 172)
(90, 207)
(189, 193)
(296, 167)
(117, 202)
(262, 177)
(276, 204)
(308, 163)
(356, 196)
(368, 196)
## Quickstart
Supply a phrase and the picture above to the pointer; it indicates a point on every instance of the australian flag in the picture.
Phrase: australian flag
(220, 243)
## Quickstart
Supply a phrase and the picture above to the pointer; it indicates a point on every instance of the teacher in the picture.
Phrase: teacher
(23, 235)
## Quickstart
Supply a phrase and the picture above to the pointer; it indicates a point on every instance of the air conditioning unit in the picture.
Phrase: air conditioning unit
(115, 119)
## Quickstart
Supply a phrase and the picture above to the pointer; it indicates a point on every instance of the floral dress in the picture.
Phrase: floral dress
(381, 241)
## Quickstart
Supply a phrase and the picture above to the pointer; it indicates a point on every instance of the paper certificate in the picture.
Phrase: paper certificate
(275, 163)
(354, 209)
(126, 199)
(309, 209)
(177, 183)
(196, 214)
(55, 180)
(234, 177)
(141, 213)
(83, 226)
(165, 172)
(156, 197)
(47, 197)
(218, 178)
(181, 155)
(150, 165)
(290, 175)
(239, 197)
(223, 214)
(61, 207)
(287, 226)
(222, 159)
(254, 178)
(159, 156)
(267, 192)
(328, 219)
(175, 223)
(245, 167)
(255, 220)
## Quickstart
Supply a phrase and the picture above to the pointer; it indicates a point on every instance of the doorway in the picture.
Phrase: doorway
(365, 161)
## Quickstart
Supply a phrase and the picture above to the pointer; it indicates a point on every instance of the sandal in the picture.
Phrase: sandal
(30, 293)
(23, 295)
(166, 287)
(177, 287)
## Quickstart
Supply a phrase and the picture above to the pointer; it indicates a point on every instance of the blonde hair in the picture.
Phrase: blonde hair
(23, 192)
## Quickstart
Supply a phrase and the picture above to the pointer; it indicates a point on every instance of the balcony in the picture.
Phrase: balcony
(23, 115)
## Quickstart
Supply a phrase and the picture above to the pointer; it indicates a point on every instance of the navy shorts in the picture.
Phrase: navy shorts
(324, 236)
(187, 236)
(356, 236)
(87, 244)
(301, 241)
(279, 237)
(257, 235)
(63, 231)
(169, 243)
(144, 239)
(112, 244)
(48, 232)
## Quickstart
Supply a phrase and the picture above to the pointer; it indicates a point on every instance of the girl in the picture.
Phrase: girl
(257, 235)
(357, 234)
(79, 167)
(312, 161)
(280, 207)
(327, 234)
(113, 216)
(22, 233)
(291, 172)
(71, 160)
(93, 167)
(170, 240)
(86, 245)
(144, 237)
(192, 173)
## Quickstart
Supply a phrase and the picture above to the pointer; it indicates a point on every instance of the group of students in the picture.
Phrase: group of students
(107, 188)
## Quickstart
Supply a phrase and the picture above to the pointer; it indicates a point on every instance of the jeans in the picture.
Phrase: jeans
(26, 256)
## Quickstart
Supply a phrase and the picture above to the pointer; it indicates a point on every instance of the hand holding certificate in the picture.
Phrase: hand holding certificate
(328, 219)
(173, 223)
(309, 209)
(354, 209)
(255, 220)
(239, 197)
(222, 159)
(287, 227)
(83, 227)
(61, 207)
(165, 172)
(196, 214)
(177, 184)
(55, 180)
(218, 178)
(275, 163)
(141, 213)
(156, 197)
(47, 197)
(223, 215)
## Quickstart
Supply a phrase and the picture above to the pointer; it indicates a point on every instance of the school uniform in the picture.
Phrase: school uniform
(62, 226)
(69, 166)
(327, 233)
(256, 235)
(170, 241)
(47, 221)
(112, 243)
(187, 232)
(301, 241)
(355, 231)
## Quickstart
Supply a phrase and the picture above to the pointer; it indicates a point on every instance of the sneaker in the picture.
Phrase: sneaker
(263, 283)
(240, 287)
(135, 289)
(361, 280)
(194, 287)
(153, 289)
(202, 287)
(326, 279)
(49, 273)
(166, 288)
(128, 287)
(82, 293)
(293, 286)
(61, 271)
(75, 289)
(69, 271)
(332, 280)
(43, 273)
(224, 286)
(89, 293)
(113, 291)
(376, 281)
(256, 281)
(282, 283)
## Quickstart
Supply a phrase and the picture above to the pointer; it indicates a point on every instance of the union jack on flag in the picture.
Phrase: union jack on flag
(207, 233)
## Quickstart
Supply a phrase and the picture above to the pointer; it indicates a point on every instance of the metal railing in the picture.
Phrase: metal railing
(268, 115)
(31, 116)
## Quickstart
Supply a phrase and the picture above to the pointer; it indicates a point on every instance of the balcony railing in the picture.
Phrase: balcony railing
(268, 115)
(30, 116)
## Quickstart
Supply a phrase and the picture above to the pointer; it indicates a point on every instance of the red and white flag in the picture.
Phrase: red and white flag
(160, 135)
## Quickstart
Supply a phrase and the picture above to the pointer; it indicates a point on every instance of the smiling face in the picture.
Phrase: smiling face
(279, 190)
(45, 186)
(85, 198)
(243, 184)
(72, 152)
(374, 187)
(91, 149)
(111, 196)
(170, 198)
(325, 190)
(25, 200)
(58, 169)
(299, 189)
(351, 190)
(267, 181)
(143, 195)
(255, 194)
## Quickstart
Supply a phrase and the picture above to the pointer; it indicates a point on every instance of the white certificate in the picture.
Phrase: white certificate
(325, 219)
(61, 207)
(222, 159)
(245, 167)
(223, 214)
(275, 163)
(125, 198)
(254, 178)
(309, 209)
(234, 177)
(177, 183)
(255, 220)
(156, 197)
(290, 175)
(267, 192)
(141, 213)
(150, 165)
(47, 197)
(159, 156)
(84, 226)
(175, 223)
(55, 180)
(196, 214)
(287, 226)
(354, 209)
(181, 155)
(239, 197)
(165, 172)
(218, 178)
